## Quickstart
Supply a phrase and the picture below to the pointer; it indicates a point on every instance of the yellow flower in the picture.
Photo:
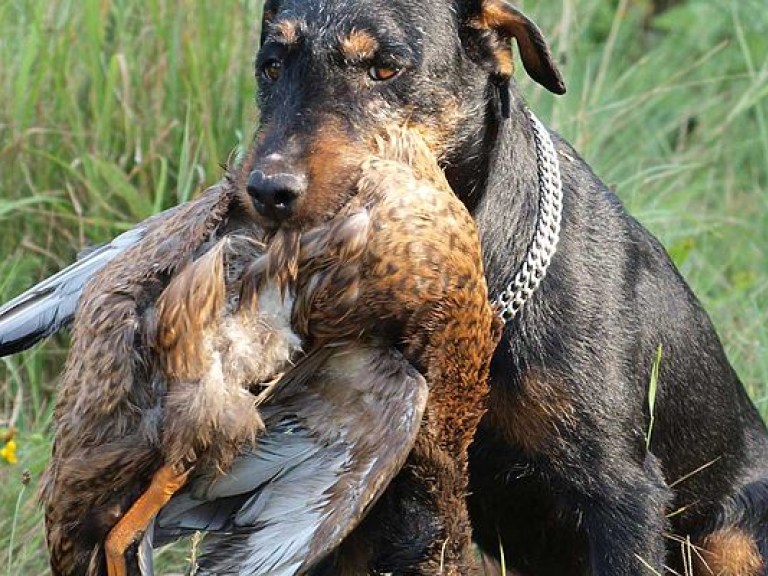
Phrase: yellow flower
(8, 452)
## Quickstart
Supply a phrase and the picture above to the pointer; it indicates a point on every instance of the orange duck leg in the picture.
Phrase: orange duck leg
(165, 483)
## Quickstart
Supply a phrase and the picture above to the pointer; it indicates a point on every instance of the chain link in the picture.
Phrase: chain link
(544, 244)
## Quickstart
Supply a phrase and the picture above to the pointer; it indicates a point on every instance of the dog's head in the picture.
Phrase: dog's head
(332, 73)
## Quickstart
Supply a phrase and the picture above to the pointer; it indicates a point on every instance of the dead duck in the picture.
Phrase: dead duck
(414, 281)
(399, 267)
(179, 356)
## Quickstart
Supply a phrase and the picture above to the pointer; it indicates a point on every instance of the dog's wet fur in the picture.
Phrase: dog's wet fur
(560, 477)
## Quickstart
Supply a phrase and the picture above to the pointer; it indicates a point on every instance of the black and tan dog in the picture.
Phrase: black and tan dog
(561, 478)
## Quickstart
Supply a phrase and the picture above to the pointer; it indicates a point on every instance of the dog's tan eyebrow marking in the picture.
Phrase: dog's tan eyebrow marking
(286, 31)
(358, 46)
(505, 62)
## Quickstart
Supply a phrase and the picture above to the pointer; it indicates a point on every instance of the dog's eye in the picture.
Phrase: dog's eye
(271, 70)
(382, 73)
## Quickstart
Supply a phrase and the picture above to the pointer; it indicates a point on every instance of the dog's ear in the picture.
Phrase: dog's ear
(268, 14)
(492, 24)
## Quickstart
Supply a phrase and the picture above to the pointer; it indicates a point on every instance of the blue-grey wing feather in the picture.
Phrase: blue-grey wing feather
(145, 556)
(332, 446)
(50, 305)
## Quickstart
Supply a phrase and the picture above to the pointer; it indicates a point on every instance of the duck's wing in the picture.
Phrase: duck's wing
(51, 305)
(335, 438)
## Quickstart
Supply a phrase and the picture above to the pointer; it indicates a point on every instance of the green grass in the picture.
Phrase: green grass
(114, 110)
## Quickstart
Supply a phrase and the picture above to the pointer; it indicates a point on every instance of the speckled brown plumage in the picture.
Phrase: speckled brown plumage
(403, 262)
(108, 409)
(155, 374)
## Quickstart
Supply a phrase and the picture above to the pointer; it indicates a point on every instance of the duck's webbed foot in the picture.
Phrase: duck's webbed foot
(165, 483)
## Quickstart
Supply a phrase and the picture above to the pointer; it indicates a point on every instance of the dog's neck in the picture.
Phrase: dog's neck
(498, 182)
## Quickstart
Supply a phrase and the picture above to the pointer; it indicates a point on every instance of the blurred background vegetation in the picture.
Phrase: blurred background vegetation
(113, 110)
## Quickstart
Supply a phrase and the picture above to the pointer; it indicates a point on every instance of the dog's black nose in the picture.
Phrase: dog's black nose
(274, 195)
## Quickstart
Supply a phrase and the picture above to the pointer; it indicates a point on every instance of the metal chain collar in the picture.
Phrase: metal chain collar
(544, 243)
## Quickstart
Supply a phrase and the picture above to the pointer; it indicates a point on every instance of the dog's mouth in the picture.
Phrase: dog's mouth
(323, 184)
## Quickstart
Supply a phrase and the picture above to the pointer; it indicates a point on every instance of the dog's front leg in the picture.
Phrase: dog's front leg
(625, 524)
